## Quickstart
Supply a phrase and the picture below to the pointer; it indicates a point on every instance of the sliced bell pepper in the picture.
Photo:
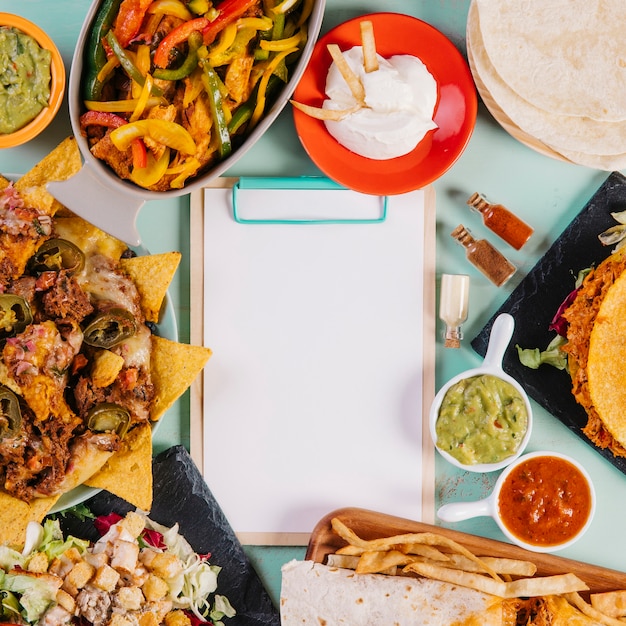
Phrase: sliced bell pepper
(226, 40)
(220, 125)
(228, 12)
(122, 106)
(142, 101)
(139, 152)
(168, 133)
(199, 7)
(170, 7)
(101, 118)
(188, 65)
(129, 19)
(127, 63)
(153, 172)
(175, 37)
(281, 44)
(95, 54)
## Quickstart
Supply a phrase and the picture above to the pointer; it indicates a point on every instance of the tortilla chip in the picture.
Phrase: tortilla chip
(89, 238)
(174, 366)
(15, 515)
(60, 164)
(152, 274)
(128, 473)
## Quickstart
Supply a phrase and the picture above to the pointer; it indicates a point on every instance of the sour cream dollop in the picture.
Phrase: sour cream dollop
(400, 99)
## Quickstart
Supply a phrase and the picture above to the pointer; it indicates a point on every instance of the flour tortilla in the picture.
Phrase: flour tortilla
(601, 145)
(606, 366)
(564, 55)
(314, 594)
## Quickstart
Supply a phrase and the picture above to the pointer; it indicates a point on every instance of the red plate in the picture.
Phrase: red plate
(455, 113)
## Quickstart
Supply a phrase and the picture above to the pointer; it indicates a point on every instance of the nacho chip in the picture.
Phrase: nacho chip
(105, 367)
(15, 515)
(128, 473)
(60, 164)
(89, 238)
(152, 274)
(174, 366)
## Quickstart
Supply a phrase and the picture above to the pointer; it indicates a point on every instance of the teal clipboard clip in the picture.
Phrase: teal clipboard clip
(299, 183)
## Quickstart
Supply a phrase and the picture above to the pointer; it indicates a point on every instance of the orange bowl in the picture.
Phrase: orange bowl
(57, 82)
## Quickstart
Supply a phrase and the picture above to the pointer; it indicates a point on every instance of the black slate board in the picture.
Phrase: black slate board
(536, 299)
(181, 495)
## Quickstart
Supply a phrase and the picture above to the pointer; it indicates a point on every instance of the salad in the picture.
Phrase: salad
(139, 573)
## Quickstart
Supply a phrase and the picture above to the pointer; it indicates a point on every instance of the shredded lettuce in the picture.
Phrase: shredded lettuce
(54, 544)
(552, 355)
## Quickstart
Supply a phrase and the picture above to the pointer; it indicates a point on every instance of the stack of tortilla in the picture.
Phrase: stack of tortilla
(553, 74)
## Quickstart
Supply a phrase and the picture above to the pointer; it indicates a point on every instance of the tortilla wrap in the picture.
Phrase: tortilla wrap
(315, 594)
(601, 145)
(564, 56)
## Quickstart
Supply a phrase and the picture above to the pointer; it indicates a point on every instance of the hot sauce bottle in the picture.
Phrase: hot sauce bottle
(492, 263)
(501, 221)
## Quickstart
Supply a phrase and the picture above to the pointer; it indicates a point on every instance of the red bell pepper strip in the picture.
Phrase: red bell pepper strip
(177, 36)
(228, 12)
(129, 20)
(101, 118)
(139, 152)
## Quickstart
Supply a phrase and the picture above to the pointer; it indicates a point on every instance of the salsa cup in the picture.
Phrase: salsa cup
(57, 82)
(501, 334)
(490, 506)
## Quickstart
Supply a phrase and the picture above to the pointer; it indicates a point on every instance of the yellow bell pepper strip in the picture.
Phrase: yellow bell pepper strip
(139, 152)
(228, 12)
(168, 133)
(105, 72)
(95, 53)
(258, 23)
(129, 19)
(170, 7)
(186, 169)
(226, 40)
(127, 63)
(142, 100)
(244, 112)
(122, 106)
(281, 44)
(175, 37)
(284, 6)
(220, 125)
(154, 170)
(188, 65)
(305, 12)
(199, 7)
(269, 70)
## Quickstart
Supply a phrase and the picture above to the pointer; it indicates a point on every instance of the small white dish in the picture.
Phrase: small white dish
(489, 507)
(501, 333)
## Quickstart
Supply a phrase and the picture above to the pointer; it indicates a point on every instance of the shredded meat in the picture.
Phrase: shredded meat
(65, 299)
(581, 315)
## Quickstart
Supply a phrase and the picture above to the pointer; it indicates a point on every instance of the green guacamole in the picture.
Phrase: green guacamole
(482, 419)
(24, 79)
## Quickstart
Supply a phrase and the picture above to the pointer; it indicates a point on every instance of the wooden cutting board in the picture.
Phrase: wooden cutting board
(372, 525)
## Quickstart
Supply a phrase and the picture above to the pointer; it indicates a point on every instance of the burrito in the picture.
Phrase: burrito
(313, 593)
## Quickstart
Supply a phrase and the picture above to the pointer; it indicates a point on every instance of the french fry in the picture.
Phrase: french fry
(368, 42)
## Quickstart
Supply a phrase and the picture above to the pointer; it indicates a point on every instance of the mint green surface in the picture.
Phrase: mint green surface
(545, 193)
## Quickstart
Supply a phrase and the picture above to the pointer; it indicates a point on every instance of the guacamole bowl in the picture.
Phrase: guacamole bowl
(36, 125)
(481, 420)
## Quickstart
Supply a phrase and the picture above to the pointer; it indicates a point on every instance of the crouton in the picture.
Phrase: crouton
(177, 618)
(154, 588)
(133, 523)
(79, 575)
(165, 565)
(117, 619)
(106, 578)
(129, 598)
(124, 556)
(148, 619)
(66, 601)
(38, 562)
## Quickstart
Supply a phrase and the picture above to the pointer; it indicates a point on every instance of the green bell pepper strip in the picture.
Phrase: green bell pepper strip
(244, 112)
(127, 63)
(95, 54)
(188, 65)
(211, 84)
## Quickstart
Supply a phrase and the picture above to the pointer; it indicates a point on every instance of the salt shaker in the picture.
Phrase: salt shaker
(493, 264)
(453, 307)
(501, 221)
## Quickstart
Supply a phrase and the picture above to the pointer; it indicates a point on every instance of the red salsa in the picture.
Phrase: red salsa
(545, 501)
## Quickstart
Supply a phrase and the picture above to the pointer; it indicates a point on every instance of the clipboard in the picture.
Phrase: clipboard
(320, 311)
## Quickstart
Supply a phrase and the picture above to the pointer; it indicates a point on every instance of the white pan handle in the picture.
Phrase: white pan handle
(111, 210)
(459, 511)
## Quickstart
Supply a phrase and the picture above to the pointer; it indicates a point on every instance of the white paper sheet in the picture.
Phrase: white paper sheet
(313, 395)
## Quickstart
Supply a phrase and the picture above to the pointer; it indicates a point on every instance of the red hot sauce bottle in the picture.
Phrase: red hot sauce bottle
(501, 221)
